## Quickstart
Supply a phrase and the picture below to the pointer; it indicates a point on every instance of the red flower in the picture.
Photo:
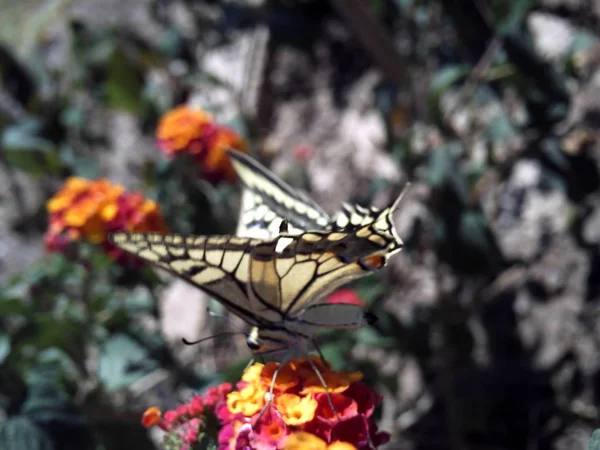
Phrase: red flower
(346, 296)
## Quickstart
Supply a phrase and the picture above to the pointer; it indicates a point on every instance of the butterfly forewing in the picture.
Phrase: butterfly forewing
(260, 281)
(217, 264)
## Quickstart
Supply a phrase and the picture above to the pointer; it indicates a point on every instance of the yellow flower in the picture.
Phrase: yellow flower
(248, 401)
(252, 374)
(307, 441)
(296, 410)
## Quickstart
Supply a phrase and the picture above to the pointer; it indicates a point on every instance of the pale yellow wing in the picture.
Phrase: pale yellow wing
(269, 198)
(219, 265)
(293, 272)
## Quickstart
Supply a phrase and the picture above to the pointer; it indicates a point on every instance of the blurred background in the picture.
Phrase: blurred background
(488, 335)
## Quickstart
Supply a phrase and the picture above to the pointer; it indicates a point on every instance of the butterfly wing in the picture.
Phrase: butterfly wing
(258, 221)
(263, 282)
(294, 271)
(267, 202)
(219, 265)
(338, 315)
(271, 196)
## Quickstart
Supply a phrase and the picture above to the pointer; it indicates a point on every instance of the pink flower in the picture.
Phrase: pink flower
(345, 296)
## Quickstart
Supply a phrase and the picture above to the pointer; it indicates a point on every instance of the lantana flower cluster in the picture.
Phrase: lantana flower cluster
(300, 414)
(193, 132)
(90, 209)
(187, 424)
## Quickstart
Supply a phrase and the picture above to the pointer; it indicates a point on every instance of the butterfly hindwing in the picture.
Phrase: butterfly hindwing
(267, 201)
(278, 197)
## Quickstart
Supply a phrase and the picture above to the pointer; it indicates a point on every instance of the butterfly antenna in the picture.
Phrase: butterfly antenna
(225, 333)
(396, 203)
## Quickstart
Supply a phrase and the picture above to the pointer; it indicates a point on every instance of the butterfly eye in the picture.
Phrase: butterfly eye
(371, 318)
(252, 343)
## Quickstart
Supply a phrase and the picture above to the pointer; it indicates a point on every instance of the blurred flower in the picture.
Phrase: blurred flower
(303, 152)
(186, 424)
(299, 416)
(346, 295)
(89, 210)
(185, 131)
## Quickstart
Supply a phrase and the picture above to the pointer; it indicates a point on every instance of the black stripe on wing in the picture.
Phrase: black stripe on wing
(298, 209)
(218, 265)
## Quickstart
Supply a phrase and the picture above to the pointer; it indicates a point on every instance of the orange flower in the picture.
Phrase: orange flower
(193, 132)
(180, 127)
(151, 417)
(90, 209)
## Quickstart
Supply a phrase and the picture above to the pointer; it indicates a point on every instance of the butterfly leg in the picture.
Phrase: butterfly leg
(283, 362)
(316, 344)
(248, 365)
(322, 380)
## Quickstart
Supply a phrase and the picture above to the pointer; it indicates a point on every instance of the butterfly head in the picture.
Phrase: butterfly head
(264, 341)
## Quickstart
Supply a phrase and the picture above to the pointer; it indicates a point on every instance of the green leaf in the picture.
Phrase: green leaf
(594, 443)
(18, 433)
(369, 289)
(61, 361)
(25, 149)
(370, 336)
(4, 346)
(124, 84)
(511, 15)
(123, 361)
(441, 81)
(206, 443)
(45, 331)
(11, 299)
(336, 353)
(474, 232)
(500, 128)
(582, 40)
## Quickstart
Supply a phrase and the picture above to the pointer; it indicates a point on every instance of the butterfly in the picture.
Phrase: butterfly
(287, 256)
(273, 285)
(269, 205)
(268, 201)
